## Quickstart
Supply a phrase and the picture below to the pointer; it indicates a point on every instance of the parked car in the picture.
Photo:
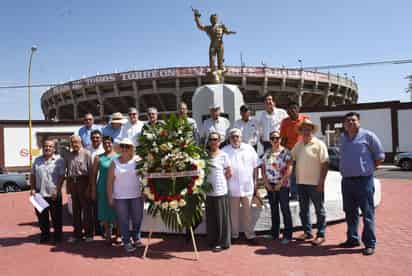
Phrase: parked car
(14, 182)
(403, 160)
(334, 158)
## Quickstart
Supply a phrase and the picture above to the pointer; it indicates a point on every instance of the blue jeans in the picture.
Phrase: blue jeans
(280, 198)
(357, 192)
(126, 210)
(293, 184)
(308, 193)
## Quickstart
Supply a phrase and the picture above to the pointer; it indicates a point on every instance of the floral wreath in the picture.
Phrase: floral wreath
(173, 169)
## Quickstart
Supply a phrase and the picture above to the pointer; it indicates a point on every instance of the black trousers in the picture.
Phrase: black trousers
(218, 221)
(82, 209)
(55, 211)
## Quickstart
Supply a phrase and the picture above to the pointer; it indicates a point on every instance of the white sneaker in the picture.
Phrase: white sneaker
(129, 248)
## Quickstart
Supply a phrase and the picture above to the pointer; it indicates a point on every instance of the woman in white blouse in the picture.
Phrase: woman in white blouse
(217, 202)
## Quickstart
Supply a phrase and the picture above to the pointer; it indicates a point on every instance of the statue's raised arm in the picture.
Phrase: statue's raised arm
(197, 16)
(227, 31)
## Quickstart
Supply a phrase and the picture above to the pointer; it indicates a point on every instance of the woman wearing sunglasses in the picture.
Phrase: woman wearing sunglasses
(217, 202)
(124, 193)
(277, 167)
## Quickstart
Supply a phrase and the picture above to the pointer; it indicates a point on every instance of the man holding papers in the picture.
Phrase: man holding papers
(46, 180)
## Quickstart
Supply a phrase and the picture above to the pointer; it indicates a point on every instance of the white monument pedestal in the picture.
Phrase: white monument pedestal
(227, 96)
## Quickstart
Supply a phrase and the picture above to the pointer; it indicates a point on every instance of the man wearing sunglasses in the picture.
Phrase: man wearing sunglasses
(86, 130)
(133, 128)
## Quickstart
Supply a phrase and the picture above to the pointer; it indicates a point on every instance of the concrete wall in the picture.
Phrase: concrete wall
(405, 129)
(16, 140)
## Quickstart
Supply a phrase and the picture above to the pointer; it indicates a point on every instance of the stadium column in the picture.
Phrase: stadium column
(74, 102)
(136, 94)
(100, 100)
(178, 94)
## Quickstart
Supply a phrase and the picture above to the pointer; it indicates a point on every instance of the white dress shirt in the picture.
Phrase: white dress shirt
(269, 122)
(221, 126)
(132, 132)
(243, 162)
(250, 131)
(94, 152)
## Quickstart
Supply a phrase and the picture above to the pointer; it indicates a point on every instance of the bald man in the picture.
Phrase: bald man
(78, 165)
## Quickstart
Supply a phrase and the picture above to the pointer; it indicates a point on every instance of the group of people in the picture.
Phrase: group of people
(106, 192)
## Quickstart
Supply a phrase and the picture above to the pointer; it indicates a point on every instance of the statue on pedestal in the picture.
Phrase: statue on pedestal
(215, 31)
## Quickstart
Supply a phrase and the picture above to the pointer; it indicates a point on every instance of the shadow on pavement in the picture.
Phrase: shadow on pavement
(301, 249)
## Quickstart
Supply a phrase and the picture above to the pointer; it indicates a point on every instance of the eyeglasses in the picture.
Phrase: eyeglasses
(274, 138)
(132, 114)
(213, 139)
(234, 136)
(124, 146)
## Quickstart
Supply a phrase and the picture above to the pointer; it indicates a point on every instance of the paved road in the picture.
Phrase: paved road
(393, 172)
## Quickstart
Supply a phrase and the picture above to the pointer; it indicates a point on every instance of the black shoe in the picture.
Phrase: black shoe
(234, 240)
(349, 244)
(44, 239)
(252, 241)
(368, 251)
(57, 238)
(294, 198)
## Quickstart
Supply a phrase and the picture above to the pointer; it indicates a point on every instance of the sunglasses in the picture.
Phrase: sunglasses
(124, 146)
(132, 114)
(274, 138)
(213, 139)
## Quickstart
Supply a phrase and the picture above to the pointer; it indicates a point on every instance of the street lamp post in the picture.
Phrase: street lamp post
(32, 50)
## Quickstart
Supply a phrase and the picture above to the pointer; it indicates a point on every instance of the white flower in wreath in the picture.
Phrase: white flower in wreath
(165, 205)
(147, 191)
(183, 192)
(201, 164)
(195, 189)
(199, 181)
(182, 202)
(149, 136)
(144, 181)
(173, 204)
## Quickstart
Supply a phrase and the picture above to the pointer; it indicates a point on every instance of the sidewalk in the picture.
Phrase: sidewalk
(20, 254)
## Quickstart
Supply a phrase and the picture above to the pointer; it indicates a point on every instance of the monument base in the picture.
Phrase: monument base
(262, 218)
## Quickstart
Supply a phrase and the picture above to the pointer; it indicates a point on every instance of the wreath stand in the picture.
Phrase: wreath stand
(146, 249)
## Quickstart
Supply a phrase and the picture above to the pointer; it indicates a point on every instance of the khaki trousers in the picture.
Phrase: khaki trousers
(241, 215)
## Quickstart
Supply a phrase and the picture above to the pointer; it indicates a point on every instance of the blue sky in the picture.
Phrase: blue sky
(81, 38)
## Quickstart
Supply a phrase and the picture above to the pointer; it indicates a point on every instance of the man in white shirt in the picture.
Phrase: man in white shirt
(133, 128)
(215, 123)
(183, 115)
(242, 184)
(248, 126)
(269, 120)
(96, 147)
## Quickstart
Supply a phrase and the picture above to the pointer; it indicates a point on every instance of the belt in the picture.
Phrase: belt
(78, 178)
(357, 177)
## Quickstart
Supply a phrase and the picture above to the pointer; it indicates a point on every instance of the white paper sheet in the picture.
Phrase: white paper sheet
(38, 202)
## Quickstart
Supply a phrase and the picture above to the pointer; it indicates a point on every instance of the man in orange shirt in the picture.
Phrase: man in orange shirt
(290, 136)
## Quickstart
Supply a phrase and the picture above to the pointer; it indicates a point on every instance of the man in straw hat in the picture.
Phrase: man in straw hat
(114, 128)
(311, 156)
(215, 123)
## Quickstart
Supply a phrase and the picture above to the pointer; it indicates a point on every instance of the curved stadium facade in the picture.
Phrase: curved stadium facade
(165, 88)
